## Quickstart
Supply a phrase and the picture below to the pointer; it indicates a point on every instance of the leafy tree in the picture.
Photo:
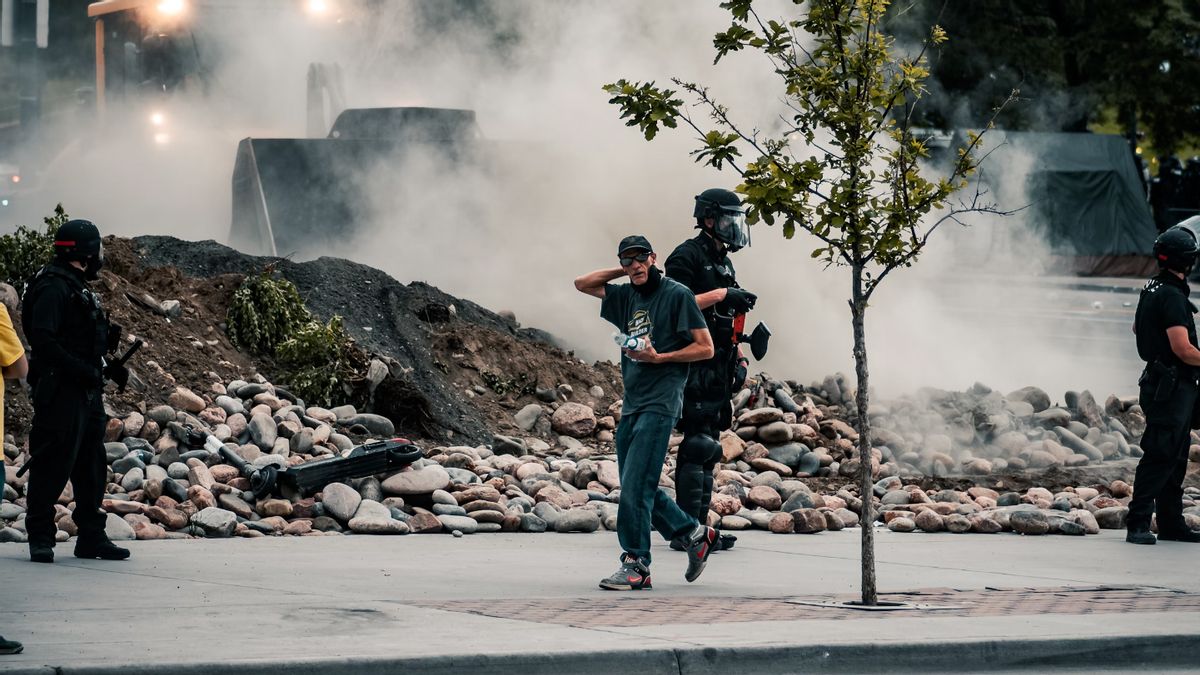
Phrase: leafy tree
(1071, 59)
(845, 168)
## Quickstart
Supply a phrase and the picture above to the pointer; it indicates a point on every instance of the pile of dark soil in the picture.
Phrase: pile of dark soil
(459, 371)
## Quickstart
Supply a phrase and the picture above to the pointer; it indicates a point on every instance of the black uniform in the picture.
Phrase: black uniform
(697, 264)
(68, 335)
(1167, 393)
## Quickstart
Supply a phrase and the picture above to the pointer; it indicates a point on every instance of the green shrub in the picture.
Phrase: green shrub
(23, 252)
(265, 312)
(320, 363)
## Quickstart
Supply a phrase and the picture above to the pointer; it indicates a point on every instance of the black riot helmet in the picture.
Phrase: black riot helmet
(1175, 249)
(80, 240)
(726, 209)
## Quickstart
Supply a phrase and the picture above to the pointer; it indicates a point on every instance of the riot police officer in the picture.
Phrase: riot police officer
(1166, 341)
(702, 264)
(69, 334)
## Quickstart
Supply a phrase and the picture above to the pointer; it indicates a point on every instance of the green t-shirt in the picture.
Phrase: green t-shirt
(668, 316)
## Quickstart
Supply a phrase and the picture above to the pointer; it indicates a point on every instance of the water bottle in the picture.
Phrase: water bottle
(633, 344)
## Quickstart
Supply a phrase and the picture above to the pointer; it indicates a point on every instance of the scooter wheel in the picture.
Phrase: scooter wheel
(405, 454)
(262, 483)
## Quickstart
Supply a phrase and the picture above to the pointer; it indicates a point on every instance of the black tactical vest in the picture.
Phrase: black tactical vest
(85, 327)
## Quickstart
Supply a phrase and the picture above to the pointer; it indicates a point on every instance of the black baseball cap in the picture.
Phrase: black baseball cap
(634, 241)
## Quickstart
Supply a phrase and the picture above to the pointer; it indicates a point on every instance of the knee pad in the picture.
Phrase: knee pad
(699, 449)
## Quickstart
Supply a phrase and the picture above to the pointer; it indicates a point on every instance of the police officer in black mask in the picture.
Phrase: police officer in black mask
(1166, 340)
(702, 264)
(69, 334)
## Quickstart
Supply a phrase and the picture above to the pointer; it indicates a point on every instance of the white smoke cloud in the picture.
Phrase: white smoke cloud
(570, 179)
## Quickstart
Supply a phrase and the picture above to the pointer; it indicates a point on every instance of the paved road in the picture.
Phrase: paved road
(503, 603)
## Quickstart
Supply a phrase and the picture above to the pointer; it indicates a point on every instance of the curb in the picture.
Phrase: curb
(1137, 652)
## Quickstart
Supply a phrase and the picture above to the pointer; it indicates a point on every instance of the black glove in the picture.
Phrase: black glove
(739, 300)
(114, 337)
(118, 374)
(740, 372)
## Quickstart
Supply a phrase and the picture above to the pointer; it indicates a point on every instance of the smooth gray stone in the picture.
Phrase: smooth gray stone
(547, 512)
(527, 417)
(507, 445)
(464, 524)
(215, 522)
(251, 390)
(117, 529)
(144, 447)
(531, 523)
(201, 455)
(130, 461)
(789, 454)
(462, 476)
(114, 451)
(577, 520)
(174, 490)
(230, 405)
(376, 425)
(447, 510)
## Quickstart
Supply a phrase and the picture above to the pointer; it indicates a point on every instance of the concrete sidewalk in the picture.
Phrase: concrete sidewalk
(529, 603)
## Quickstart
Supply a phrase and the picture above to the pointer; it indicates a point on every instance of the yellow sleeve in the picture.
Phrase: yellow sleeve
(10, 346)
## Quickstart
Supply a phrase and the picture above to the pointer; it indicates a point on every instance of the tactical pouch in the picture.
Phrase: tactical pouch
(1167, 382)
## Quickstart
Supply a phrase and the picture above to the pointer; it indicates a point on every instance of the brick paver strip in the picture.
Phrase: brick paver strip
(646, 610)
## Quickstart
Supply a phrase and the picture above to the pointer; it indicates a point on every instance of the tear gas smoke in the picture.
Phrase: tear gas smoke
(567, 179)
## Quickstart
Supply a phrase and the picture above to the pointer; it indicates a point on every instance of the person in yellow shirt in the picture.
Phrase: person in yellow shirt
(14, 367)
(12, 357)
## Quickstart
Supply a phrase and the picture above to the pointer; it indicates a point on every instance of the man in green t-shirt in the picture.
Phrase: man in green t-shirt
(662, 314)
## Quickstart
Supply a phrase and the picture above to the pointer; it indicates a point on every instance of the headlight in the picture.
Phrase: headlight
(172, 7)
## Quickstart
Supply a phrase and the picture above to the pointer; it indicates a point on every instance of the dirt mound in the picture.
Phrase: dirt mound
(459, 371)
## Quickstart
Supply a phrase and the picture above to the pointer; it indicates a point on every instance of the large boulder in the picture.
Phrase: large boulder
(341, 501)
(215, 522)
(417, 481)
(574, 419)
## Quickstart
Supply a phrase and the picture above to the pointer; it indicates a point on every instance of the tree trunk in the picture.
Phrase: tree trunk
(858, 310)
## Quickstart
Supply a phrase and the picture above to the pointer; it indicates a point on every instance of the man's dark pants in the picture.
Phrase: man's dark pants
(642, 440)
(1158, 482)
(67, 442)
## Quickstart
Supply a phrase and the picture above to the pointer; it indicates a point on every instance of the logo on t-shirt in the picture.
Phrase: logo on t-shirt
(639, 324)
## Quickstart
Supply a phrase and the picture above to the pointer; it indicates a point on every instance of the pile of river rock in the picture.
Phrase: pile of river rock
(568, 481)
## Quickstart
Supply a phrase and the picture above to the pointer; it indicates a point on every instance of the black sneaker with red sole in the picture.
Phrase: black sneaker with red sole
(632, 575)
(700, 545)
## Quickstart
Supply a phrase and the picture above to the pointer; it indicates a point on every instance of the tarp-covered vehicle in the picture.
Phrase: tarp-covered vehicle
(1084, 196)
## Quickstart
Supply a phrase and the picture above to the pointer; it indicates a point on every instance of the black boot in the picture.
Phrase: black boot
(41, 551)
(99, 546)
(1139, 535)
(10, 646)
(1179, 534)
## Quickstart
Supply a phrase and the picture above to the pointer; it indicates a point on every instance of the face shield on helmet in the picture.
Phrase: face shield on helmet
(93, 265)
(731, 229)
